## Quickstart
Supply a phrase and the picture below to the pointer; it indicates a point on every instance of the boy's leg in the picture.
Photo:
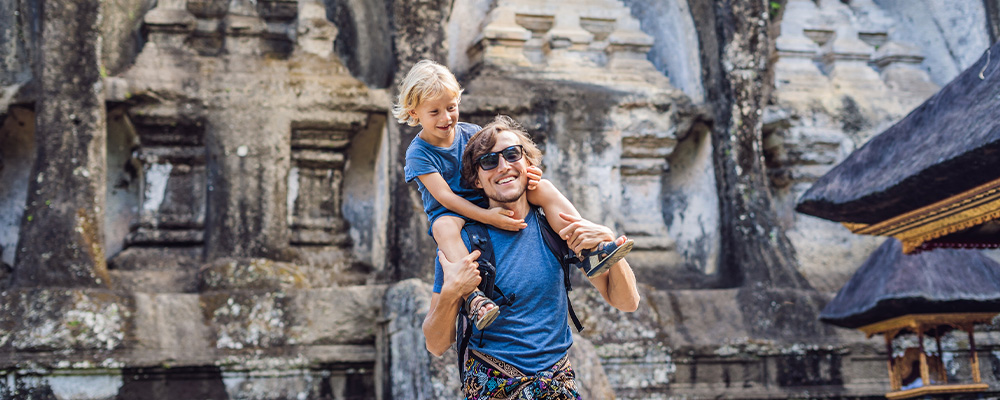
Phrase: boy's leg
(447, 232)
(553, 202)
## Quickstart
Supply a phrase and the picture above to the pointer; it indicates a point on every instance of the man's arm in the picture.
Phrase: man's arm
(618, 285)
(460, 279)
(439, 325)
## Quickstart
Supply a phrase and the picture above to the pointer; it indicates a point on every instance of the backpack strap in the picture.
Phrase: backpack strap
(566, 258)
(479, 238)
(464, 328)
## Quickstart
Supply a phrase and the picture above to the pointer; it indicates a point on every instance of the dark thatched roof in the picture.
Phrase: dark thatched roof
(892, 284)
(947, 145)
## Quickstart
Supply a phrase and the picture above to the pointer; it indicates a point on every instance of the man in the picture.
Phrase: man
(523, 353)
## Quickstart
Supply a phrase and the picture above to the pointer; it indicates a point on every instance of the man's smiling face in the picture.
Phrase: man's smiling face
(508, 181)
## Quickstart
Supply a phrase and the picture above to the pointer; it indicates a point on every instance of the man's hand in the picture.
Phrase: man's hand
(534, 175)
(461, 277)
(581, 234)
(502, 219)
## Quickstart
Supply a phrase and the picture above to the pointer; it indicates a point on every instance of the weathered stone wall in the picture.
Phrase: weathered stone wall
(260, 242)
(844, 73)
(675, 48)
(951, 35)
(242, 163)
(19, 35)
(364, 39)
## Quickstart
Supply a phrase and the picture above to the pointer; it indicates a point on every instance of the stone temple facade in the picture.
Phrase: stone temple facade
(204, 198)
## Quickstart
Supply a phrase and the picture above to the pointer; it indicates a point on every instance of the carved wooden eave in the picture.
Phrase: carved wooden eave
(938, 389)
(918, 323)
(953, 214)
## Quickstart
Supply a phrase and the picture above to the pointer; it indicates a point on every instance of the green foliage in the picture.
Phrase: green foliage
(774, 7)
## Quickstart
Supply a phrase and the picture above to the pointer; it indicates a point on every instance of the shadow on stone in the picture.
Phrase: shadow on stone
(174, 383)
(20, 391)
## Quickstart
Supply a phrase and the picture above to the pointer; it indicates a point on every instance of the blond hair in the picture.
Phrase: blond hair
(426, 80)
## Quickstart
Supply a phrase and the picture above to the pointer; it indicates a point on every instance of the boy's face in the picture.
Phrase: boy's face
(437, 116)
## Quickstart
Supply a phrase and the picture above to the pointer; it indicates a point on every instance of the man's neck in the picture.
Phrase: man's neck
(520, 207)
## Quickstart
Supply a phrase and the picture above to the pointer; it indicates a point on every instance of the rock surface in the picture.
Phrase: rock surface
(230, 171)
(65, 202)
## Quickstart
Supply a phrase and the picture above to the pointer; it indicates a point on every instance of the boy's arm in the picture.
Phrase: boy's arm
(542, 193)
(497, 217)
(548, 197)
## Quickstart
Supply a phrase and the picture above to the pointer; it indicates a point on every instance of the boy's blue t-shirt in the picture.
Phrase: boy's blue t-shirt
(533, 333)
(424, 158)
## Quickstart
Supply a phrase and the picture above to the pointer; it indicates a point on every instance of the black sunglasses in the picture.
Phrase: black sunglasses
(512, 154)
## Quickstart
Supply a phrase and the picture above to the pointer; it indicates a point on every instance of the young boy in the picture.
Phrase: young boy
(429, 96)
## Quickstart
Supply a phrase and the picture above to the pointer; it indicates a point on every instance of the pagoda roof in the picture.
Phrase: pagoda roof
(891, 284)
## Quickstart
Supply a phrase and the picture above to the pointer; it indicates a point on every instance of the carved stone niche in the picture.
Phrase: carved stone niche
(278, 10)
(173, 193)
(315, 185)
(241, 26)
(279, 18)
(124, 184)
(646, 148)
(17, 155)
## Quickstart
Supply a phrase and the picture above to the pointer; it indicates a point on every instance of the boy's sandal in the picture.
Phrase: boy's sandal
(596, 261)
(474, 302)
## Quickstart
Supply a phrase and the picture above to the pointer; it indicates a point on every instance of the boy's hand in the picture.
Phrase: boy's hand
(502, 218)
(534, 175)
(582, 234)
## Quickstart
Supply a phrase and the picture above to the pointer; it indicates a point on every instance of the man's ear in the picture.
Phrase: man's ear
(478, 184)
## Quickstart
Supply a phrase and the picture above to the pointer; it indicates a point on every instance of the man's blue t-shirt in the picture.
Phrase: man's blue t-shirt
(533, 333)
(424, 158)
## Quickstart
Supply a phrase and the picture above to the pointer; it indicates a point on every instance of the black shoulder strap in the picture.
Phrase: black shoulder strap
(479, 238)
(464, 328)
(566, 257)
